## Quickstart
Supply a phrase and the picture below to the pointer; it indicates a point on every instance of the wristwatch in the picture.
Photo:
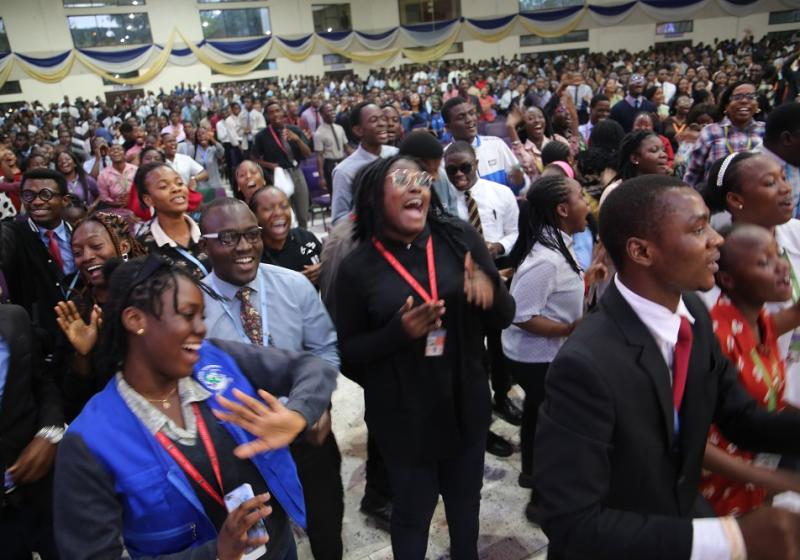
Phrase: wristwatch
(53, 434)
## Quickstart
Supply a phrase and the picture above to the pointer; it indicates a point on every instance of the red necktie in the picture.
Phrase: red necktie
(680, 363)
(52, 245)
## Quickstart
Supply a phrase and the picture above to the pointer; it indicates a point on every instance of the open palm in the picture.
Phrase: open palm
(81, 335)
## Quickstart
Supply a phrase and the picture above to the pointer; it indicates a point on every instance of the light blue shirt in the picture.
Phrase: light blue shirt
(297, 319)
(343, 175)
(5, 357)
(64, 245)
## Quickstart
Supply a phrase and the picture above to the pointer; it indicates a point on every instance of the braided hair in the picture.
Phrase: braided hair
(369, 185)
(542, 222)
(139, 283)
(630, 145)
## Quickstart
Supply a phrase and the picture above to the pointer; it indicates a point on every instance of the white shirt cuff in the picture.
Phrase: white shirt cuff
(711, 541)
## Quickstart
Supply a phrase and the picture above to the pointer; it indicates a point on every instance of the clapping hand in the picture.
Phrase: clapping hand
(83, 337)
(419, 321)
(273, 424)
(478, 287)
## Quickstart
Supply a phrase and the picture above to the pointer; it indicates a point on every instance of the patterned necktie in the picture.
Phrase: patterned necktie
(251, 318)
(55, 250)
(472, 212)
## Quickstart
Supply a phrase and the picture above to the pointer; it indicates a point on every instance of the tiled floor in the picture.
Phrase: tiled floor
(505, 533)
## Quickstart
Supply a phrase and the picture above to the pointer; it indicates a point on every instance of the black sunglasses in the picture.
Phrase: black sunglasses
(465, 168)
(46, 195)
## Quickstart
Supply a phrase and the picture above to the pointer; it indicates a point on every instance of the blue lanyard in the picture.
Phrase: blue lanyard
(237, 323)
(190, 257)
(71, 285)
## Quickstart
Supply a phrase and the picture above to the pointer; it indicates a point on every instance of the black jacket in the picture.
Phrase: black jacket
(419, 408)
(31, 399)
(34, 279)
(613, 479)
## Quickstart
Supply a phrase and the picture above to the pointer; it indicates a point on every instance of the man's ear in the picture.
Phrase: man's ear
(640, 251)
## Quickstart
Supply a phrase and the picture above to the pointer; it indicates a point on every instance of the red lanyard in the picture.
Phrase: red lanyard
(187, 467)
(278, 141)
(406, 275)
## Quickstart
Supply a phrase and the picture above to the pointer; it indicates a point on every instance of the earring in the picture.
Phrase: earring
(124, 257)
(140, 332)
(741, 206)
(635, 163)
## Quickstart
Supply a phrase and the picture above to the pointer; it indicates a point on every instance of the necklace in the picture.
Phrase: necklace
(165, 401)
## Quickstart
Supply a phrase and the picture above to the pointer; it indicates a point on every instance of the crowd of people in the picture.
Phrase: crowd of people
(615, 233)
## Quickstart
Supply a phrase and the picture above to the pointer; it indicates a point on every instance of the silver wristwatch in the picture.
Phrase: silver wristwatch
(53, 434)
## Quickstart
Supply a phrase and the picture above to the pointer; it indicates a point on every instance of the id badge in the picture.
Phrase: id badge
(233, 500)
(434, 345)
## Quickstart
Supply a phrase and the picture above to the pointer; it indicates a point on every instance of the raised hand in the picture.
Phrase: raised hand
(83, 337)
(273, 424)
(478, 287)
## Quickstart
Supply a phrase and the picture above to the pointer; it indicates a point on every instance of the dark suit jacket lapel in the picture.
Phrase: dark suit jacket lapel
(649, 357)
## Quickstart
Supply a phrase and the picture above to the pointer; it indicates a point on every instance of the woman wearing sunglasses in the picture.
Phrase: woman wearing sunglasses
(738, 131)
(420, 290)
(152, 462)
(172, 233)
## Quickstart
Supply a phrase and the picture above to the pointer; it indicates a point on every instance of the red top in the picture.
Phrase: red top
(761, 372)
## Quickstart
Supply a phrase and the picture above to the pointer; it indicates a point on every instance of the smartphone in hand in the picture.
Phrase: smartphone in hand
(233, 500)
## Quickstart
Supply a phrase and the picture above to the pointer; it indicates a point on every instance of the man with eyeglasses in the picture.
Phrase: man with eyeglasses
(35, 254)
(274, 306)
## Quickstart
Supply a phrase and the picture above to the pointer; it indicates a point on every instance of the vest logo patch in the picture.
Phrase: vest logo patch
(492, 162)
(213, 378)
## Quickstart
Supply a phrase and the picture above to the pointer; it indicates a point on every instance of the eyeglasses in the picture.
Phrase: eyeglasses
(46, 195)
(744, 96)
(403, 178)
(465, 168)
(232, 238)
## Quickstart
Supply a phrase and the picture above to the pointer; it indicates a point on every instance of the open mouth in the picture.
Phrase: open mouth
(279, 226)
(245, 263)
(180, 199)
(713, 264)
(95, 271)
(414, 205)
(192, 350)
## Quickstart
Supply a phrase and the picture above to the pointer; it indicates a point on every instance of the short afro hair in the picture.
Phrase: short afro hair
(634, 209)
(448, 106)
(422, 145)
(46, 174)
(784, 118)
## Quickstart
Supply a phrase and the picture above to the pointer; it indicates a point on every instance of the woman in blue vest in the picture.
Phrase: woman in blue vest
(148, 463)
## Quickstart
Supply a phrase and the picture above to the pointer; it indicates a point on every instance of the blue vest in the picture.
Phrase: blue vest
(161, 512)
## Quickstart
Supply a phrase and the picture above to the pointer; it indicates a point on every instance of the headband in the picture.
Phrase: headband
(565, 167)
(724, 167)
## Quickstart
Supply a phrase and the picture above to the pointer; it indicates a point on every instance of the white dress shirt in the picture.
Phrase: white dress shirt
(709, 541)
(498, 210)
(185, 166)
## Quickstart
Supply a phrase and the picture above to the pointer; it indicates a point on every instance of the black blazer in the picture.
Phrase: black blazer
(34, 280)
(613, 478)
(31, 399)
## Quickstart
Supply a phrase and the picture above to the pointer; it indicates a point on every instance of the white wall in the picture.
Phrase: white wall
(39, 27)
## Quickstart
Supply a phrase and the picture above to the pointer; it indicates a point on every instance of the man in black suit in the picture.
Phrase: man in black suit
(625, 110)
(618, 452)
(31, 425)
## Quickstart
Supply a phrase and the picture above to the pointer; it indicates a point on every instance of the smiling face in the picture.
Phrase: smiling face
(166, 191)
(236, 264)
(405, 202)
(394, 128)
(65, 164)
(91, 248)
(765, 197)
(117, 154)
(44, 213)
(742, 105)
(463, 122)
(274, 214)
(172, 339)
(534, 123)
(249, 179)
(651, 156)
(684, 249)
